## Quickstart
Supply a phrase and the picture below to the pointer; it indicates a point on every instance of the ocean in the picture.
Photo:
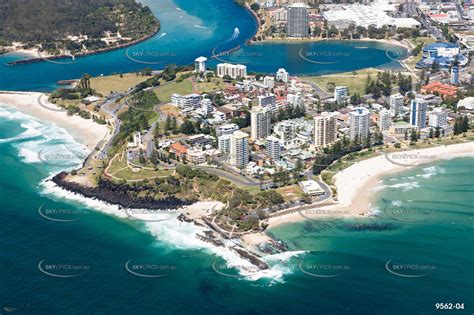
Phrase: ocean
(190, 29)
(62, 253)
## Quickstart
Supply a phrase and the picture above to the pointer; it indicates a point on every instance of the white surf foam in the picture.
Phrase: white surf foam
(431, 171)
(182, 235)
(397, 203)
(40, 137)
(406, 186)
(200, 26)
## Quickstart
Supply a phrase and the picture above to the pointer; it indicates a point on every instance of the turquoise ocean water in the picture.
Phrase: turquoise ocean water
(417, 252)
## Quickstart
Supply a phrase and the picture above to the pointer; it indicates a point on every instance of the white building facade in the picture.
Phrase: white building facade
(325, 129)
(359, 121)
(260, 123)
(385, 120)
(273, 148)
(418, 108)
(233, 71)
(239, 149)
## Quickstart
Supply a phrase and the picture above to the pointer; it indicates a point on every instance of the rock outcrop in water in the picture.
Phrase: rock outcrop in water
(114, 194)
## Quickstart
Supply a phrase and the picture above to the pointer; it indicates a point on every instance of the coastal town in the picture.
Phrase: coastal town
(265, 145)
(237, 156)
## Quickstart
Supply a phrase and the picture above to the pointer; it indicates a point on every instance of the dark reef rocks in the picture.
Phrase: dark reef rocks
(119, 195)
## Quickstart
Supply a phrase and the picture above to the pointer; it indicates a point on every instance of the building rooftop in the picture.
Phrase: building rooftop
(443, 89)
(179, 148)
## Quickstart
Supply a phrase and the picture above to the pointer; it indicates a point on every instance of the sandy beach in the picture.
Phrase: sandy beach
(36, 105)
(355, 184)
(314, 40)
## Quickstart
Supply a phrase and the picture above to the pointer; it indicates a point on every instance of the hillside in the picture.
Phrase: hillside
(90, 24)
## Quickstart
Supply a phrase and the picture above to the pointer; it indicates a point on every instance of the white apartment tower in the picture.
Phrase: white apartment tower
(269, 81)
(325, 129)
(206, 106)
(359, 121)
(438, 118)
(260, 122)
(223, 144)
(233, 71)
(200, 64)
(286, 131)
(297, 20)
(385, 119)
(340, 93)
(418, 108)
(396, 104)
(226, 129)
(282, 75)
(273, 148)
(239, 149)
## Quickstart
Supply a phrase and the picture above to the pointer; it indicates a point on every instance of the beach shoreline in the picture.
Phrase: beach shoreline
(316, 40)
(356, 184)
(34, 55)
(85, 131)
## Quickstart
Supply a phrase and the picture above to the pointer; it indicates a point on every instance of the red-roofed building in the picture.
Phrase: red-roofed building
(178, 149)
(443, 90)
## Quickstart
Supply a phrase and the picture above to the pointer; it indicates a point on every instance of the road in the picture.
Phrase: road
(323, 95)
(234, 178)
(112, 111)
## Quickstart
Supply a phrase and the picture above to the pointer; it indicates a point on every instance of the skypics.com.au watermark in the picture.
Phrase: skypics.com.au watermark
(61, 215)
(148, 57)
(151, 215)
(409, 158)
(409, 270)
(323, 215)
(61, 158)
(240, 54)
(62, 270)
(401, 213)
(149, 270)
(324, 264)
(43, 102)
(323, 57)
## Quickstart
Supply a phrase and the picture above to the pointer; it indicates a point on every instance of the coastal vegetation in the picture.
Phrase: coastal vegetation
(75, 25)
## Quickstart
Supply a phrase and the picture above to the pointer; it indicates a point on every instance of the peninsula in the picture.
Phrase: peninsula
(86, 28)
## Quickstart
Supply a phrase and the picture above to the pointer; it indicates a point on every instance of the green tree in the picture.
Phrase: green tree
(187, 127)
(413, 136)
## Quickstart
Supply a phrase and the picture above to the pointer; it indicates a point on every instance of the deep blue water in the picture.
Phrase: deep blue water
(435, 232)
(194, 28)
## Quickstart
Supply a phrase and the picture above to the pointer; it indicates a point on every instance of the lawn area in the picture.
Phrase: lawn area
(290, 193)
(117, 164)
(355, 80)
(104, 85)
(120, 169)
(424, 40)
(165, 90)
(216, 84)
(129, 174)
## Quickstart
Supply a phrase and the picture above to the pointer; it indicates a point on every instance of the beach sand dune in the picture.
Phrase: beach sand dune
(36, 105)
